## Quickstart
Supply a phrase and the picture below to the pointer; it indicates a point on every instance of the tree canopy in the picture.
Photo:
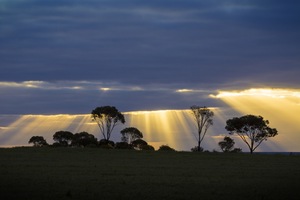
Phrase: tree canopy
(107, 117)
(63, 138)
(130, 134)
(83, 139)
(253, 130)
(38, 141)
(227, 144)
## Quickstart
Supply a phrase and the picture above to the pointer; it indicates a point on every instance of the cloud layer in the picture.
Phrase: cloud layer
(73, 97)
(68, 56)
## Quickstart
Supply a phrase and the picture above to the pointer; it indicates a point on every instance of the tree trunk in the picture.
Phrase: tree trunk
(199, 147)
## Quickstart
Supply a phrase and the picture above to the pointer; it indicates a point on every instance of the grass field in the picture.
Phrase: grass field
(92, 173)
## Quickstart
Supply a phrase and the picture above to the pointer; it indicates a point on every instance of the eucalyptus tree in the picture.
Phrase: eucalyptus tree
(203, 119)
(83, 139)
(107, 118)
(131, 134)
(227, 144)
(253, 130)
(38, 141)
(63, 138)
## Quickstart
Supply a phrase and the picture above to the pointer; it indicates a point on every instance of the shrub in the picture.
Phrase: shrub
(106, 142)
(236, 150)
(195, 149)
(60, 144)
(146, 147)
(165, 148)
(123, 145)
(138, 142)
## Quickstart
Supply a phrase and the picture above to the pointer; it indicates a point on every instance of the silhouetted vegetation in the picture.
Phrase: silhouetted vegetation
(139, 142)
(165, 148)
(253, 130)
(146, 147)
(63, 138)
(130, 134)
(38, 141)
(123, 145)
(197, 149)
(84, 139)
(203, 118)
(103, 142)
(107, 117)
(227, 145)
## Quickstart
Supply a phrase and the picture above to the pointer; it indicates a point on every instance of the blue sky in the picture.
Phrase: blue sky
(69, 56)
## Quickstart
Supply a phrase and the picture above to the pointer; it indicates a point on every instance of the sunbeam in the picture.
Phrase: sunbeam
(175, 128)
(279, 106)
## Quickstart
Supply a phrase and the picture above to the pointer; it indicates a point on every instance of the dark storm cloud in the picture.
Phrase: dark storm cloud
(171, 44)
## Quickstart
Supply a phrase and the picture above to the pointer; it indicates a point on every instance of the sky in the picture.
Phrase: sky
(70, 56)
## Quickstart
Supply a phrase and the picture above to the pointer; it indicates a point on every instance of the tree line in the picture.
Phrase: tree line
(252, 130)
(130, 139)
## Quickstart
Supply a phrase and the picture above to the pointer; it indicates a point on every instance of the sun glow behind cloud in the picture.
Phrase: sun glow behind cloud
(280, 106)
(274, 93)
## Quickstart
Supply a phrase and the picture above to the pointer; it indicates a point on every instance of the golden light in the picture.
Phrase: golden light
(24, 84)
(175, 128)
(105, 89)
(161, 127)
(262, 92)
(77, 88)
(23, 127)
(184, 90)
(280, 106)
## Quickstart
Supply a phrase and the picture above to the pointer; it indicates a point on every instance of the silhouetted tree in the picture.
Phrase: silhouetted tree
(203, 118)
(38, 141)
(130, 134)
(253, 130)
(63, 138)
(83, 139)
(227, 144)
(107, 117)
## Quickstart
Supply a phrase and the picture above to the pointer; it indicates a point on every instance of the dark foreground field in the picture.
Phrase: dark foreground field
(75, 173)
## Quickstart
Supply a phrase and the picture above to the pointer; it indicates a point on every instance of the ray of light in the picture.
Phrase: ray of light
(171, 127)
(279, 106)
(159, 127)
(26, 126)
